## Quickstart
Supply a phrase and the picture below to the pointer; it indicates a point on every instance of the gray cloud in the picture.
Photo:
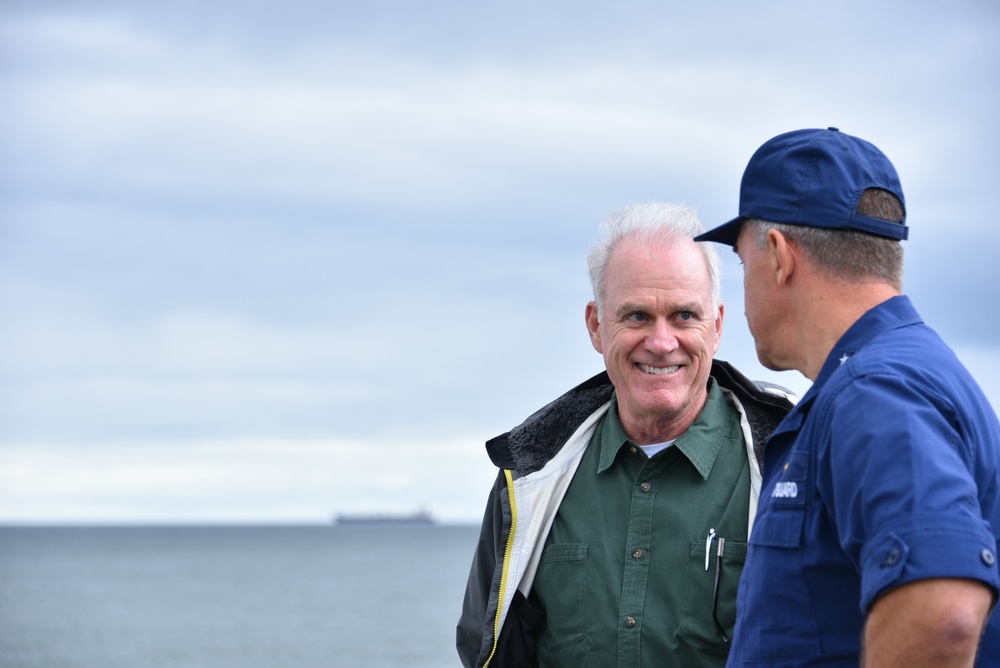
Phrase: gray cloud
(368, 222)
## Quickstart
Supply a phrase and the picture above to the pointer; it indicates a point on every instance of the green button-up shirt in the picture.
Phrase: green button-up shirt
(623, 579)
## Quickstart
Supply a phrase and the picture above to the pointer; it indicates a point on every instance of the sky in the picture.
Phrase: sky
(270, 262)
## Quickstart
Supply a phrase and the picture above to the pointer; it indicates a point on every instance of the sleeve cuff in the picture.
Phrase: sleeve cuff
(928, 546)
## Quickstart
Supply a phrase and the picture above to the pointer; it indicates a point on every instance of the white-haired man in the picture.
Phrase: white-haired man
(616, 531)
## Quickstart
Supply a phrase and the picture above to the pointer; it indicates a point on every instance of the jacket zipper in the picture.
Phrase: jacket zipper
(506, 563)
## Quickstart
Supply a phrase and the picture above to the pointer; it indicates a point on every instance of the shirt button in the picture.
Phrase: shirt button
(629, 622)
(637, 553)
(645, 487)
(987, 557)
(891, 558)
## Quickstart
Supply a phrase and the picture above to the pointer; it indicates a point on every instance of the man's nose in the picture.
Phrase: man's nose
(662, 338)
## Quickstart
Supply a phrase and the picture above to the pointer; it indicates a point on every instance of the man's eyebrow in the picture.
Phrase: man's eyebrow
(691, 307)
(626, 308)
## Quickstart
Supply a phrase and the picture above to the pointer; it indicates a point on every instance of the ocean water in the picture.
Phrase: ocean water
(240, 597)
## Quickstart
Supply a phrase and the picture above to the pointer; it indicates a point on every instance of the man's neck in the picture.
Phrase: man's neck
(830, 313)
(666, 428)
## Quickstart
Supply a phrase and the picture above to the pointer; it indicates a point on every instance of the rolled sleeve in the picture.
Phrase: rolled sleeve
(926, 546)
(903, 491)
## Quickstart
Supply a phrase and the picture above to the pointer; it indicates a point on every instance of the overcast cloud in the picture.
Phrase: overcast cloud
(268, 261)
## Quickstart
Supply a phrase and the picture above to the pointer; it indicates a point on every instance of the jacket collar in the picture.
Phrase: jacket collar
(527, 447)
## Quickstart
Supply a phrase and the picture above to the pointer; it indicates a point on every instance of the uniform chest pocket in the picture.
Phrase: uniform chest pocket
(786, 630)
(780, 525)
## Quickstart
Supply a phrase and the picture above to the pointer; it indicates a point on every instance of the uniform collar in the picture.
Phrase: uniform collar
(890, 314)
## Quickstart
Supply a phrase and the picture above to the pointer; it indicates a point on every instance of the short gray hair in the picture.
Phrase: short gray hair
(848, 255)
(664, 222)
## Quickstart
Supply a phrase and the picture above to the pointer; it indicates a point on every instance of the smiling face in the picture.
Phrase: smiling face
(658, 335)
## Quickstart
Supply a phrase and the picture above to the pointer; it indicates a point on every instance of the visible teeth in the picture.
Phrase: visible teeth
(658, 369)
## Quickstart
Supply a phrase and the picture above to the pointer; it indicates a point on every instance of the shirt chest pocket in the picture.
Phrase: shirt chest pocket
(710, 596)
(560, 589)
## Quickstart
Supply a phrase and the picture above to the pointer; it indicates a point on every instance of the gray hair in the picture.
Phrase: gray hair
(847, 255)
(663, 222)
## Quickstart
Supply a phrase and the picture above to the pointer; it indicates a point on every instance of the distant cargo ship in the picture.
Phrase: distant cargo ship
(419, 517)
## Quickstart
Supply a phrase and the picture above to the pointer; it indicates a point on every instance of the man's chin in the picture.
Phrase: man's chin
(769, 362)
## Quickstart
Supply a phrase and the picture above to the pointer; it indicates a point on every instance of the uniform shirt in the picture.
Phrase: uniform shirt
(622, 578)
(886, 472)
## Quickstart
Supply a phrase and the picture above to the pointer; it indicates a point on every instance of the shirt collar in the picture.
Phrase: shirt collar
(697, 443)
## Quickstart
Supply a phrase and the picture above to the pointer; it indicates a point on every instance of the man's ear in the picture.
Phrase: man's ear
(593, 326)
(718, 327)
(781, 257)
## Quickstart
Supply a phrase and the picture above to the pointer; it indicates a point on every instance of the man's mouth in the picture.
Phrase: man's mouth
(657, 370)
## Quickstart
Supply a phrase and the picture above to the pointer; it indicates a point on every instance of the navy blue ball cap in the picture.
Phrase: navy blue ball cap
(814, 178)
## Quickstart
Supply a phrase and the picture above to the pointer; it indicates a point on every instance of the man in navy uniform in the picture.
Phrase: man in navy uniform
(874, 541)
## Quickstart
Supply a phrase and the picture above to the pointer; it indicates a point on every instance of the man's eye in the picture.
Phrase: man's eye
(637, 317)
(685, 315)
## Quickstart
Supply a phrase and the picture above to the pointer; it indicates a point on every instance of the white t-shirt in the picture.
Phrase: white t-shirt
(651, 450)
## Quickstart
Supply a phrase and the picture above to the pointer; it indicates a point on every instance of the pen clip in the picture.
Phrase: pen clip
(708, 546)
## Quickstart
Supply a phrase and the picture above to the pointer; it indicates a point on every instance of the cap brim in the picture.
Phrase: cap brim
(727, 233)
